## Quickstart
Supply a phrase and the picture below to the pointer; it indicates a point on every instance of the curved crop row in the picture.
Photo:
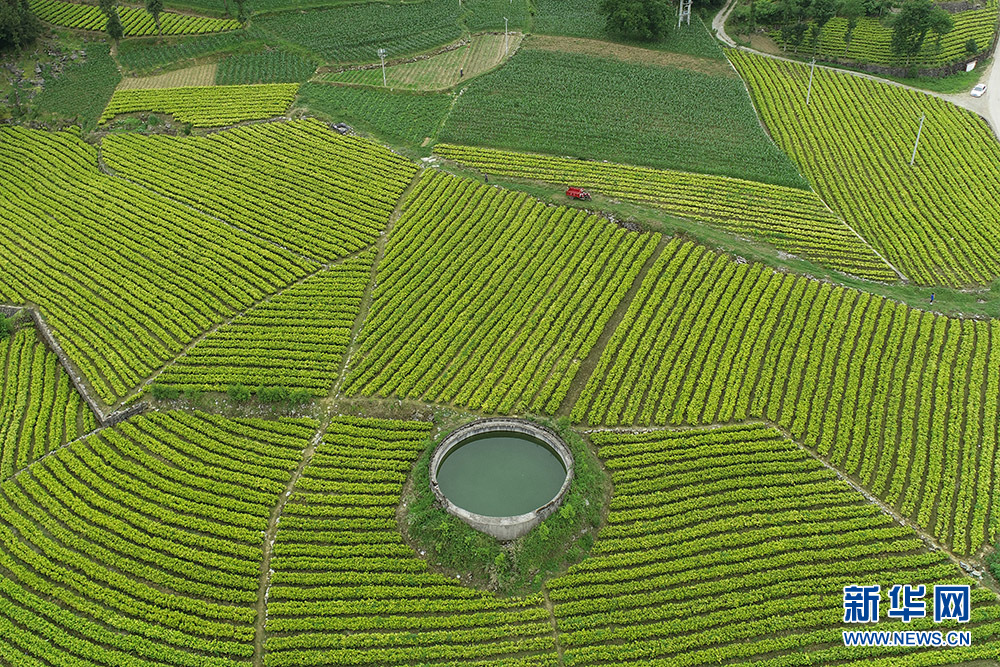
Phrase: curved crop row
(297, 184)
(295, 339)
(39, 408)
(126, 278)
(136, 22)
(871, 41)
(142, 544)
(346, 590)
(937, 220)
(792, 219)
(902, 399)
(206, 106)
(487, 298)
(732, 545)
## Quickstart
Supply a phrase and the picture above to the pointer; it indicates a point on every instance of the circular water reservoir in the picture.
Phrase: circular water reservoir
(501, 476)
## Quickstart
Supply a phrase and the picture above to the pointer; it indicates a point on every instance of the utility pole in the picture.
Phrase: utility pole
(506, 47)
(917, 142)
(811, 71)
(684, 12)
(381, 55)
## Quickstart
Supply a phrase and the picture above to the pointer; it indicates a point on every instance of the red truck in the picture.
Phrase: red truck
(578, 193)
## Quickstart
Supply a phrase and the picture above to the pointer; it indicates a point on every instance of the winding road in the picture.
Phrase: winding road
(987, 106)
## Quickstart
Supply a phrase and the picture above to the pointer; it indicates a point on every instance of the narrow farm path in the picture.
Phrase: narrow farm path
(269, 537)
(366, 298)
(555, 628)
(590, 361)
(719, 23)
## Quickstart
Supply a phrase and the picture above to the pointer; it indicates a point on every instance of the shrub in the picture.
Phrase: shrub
(163, 392)
(238, 392)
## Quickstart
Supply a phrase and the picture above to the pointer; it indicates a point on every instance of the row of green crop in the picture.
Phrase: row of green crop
(903, 399)
(297, 184)
(871, 41)
(936, 220)
(345, 589)
(206, 106)
(143, 544)
(296, 339)
(743, 557)
(512, 296)
(135, 21)
(39, 408)
(792, 219)
(126, 278)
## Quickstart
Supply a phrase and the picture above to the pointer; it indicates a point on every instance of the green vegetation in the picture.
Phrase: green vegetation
(353, 33)
(135, 22)
(345, 586)
(523, 564)
(142, 55)
(870, 39)
(83, 89)
(402, 119)
(438, 72)
(892, 396)
(39, 408)
(265, 67)
(295, 339)
(625, 112)
(793, 220)
(326, 195)
(644, 20)
(732, 546)
(139, 277)
(937, 220)
(582, 18)
(206, 106)
(142, 544)
(18, 25)
(513, 294)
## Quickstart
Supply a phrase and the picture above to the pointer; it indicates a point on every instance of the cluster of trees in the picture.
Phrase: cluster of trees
(801, 22)
(18, 26)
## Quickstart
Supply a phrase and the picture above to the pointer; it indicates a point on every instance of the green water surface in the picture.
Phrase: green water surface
(501, 474)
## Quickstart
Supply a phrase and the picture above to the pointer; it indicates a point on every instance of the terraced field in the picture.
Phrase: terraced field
(936, 220)
(39, 407)
(792, 219)
(296, 339)
(206, 106)
(734, 545)
(439, 72)
(512, 295)
(900, 399)
(325, 196)
(145, 275)
(142, 545)
(871, 41)
(135, 21)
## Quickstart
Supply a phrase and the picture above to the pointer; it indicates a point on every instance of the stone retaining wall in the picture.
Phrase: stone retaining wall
(48, 337)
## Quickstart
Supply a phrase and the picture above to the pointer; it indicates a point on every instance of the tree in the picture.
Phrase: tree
(242, 11)
(910, 27)
(821, 11)
(115, 29)
(646, 20)
(852, 10)
(18, 26)
(154, 7)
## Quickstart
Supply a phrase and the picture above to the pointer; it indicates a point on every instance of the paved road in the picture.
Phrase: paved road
(987, 106)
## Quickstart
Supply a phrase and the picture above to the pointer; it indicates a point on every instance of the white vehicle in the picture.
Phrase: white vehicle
(979, 90)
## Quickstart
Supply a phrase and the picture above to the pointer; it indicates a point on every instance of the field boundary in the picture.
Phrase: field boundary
(932, 543)
(105, 416)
